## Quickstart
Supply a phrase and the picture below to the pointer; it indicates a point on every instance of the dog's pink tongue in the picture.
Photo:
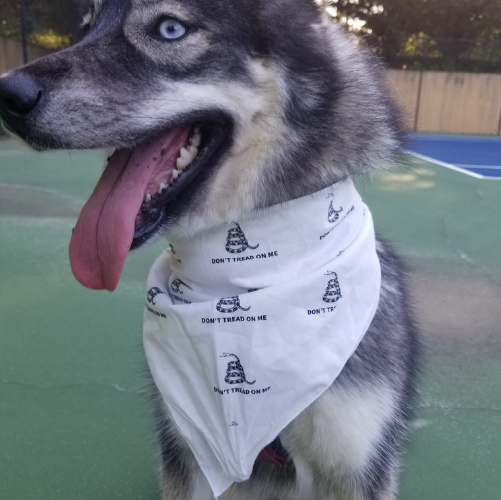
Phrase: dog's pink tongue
(103, 234)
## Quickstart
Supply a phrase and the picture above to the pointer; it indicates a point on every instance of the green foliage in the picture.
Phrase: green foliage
(9, 25)
(49, 23)
(434, 34)
(465, 19)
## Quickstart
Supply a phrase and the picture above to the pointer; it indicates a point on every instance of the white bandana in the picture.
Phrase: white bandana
(247, 324)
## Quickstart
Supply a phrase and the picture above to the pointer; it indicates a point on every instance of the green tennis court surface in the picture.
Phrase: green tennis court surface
(74, 423)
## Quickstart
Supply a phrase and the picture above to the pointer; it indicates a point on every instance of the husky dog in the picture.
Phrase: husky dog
(251, 103)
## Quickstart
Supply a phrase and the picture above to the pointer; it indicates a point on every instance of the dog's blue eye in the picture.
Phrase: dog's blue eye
(170, 29)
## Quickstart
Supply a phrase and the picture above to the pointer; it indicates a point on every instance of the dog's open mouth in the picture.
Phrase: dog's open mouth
(130, 200)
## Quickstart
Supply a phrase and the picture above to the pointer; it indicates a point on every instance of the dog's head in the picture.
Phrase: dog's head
(213, 108)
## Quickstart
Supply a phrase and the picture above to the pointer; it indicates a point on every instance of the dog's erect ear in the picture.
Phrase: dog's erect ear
(83, 8)
(302, 11)
(83, 5)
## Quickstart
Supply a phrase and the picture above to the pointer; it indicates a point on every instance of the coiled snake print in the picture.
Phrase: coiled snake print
(236, 242)
(230, 304)
(235, 372)
(333, 214)
(333, 291)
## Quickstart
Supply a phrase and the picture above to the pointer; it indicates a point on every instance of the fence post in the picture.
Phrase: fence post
(418, 100)
(23, 32)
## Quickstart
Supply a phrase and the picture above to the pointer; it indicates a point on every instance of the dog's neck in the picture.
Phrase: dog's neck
(291, 230)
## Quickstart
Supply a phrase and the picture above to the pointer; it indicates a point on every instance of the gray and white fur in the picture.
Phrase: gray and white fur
(305, 107)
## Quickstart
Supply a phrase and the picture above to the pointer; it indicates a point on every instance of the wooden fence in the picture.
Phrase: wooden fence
(451, 103)
(433, 101)
(11, 53)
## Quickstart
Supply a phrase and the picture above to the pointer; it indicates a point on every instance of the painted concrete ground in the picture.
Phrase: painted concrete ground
(74, 423)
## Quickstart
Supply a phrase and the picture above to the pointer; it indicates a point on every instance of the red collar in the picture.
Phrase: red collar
(275, 454)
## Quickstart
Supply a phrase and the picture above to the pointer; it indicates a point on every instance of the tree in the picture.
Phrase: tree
(437, 18)
(454, 34)
(49, 22)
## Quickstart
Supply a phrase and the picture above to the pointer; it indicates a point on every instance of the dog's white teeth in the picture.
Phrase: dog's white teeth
(181, 163)
(186, 155)
(195, 140)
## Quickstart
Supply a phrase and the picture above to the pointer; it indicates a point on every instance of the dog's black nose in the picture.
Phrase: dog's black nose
(19, 95)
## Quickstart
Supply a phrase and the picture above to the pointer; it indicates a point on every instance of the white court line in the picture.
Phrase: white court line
(448, 165)
(495, 167)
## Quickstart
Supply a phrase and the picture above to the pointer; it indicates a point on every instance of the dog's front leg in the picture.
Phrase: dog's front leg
(344, 441)
(181, 476)
(182, 479)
